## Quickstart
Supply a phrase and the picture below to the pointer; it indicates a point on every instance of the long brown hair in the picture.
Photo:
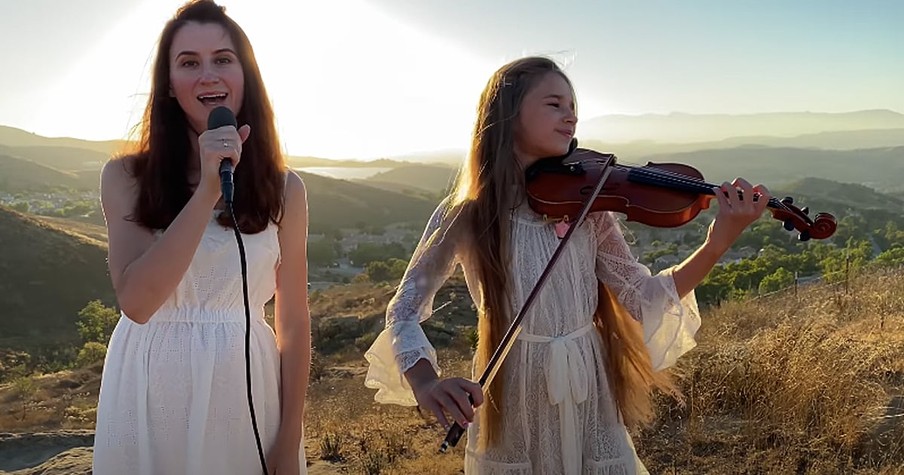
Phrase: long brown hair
(485, 192)
(163, 150)
(632, 378)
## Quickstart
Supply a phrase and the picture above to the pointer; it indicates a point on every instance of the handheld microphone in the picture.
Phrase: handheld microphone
(219, 117)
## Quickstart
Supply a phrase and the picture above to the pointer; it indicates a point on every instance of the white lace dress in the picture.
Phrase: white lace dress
(173, 398)
(560, 414)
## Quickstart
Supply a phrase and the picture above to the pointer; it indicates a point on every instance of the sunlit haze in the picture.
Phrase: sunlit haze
(371, 78)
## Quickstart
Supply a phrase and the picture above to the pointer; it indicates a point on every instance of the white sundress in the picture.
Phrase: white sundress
(173, 396)
(560, 415)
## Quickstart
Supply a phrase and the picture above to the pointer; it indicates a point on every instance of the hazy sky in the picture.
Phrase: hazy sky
(370, 78)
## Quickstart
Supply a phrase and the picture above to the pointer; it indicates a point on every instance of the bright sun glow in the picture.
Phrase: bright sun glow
(346, 80)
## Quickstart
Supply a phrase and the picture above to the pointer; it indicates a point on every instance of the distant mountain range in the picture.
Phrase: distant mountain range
(841, 130)
(641, 135)
(878, 168)
(685, 128)
(838, 140)
(14, 137)
(856, 147)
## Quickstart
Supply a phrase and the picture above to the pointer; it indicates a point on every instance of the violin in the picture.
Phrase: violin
(663, 195)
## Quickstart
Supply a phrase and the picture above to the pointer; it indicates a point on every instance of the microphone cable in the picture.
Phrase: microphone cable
(219, 117)
(238, 238)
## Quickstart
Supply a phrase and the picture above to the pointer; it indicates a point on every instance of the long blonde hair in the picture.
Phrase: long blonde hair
(485, 192)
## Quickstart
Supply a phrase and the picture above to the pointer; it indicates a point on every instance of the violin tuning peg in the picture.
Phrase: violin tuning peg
(806, 210)
(803, 236)
(788, 200)
(788, 225)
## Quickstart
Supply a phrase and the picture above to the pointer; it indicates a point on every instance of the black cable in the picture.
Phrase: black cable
(238, 237)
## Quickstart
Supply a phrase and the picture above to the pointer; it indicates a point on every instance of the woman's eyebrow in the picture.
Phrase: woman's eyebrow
(195, 53)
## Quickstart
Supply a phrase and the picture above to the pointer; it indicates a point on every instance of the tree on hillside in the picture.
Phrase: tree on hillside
(778, 280)
(844, 262)
(893, 257)
(385, 271)
(323, 252)
(365, 253)
(96, 322)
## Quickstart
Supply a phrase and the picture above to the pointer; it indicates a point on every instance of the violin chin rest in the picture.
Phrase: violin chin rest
(550, 162)
(571, 147)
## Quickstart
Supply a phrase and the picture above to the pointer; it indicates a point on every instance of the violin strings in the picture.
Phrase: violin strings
(674, 177)
(669, 177)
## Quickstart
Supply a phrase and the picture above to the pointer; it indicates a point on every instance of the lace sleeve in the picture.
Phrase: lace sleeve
(669, 322)
(403, 342)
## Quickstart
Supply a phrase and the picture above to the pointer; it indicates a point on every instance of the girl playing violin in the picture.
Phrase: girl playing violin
(594, 342)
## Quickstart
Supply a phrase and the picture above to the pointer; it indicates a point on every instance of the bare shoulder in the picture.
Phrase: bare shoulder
(296, 204)
(119, 193)
(117, 179)
(295, 186)
(127, 240)
(293, 230)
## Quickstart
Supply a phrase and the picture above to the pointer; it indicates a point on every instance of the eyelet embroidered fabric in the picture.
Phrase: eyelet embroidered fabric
(559, 414)
(173, 396)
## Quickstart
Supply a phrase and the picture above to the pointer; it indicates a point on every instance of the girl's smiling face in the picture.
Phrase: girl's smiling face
(547, 120)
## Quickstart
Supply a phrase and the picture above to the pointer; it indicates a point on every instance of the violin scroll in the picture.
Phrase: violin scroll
(822, 226)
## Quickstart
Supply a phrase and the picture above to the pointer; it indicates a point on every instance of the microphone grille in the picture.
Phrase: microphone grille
(219, 117)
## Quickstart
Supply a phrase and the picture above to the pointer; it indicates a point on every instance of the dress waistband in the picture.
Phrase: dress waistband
(200, 315)
(566, 383)
(549, 339)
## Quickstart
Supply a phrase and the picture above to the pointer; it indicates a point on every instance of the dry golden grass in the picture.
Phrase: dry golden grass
(64, 400)
(356, 434)
(806, 382)
(801, 382)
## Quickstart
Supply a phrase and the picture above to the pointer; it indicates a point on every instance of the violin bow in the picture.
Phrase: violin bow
(489, 373)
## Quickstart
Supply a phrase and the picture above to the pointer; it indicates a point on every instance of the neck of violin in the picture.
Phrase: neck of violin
(773, 202)
(663, 178)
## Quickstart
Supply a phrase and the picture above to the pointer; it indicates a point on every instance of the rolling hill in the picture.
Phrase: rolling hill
(17, 174)
(14, 137)
(849, 194)
(46, 276)
(429, 178)
(878, 168)
(301, 162)
(61, 158)
(50, 268)
(86, 231)
(336, 204)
